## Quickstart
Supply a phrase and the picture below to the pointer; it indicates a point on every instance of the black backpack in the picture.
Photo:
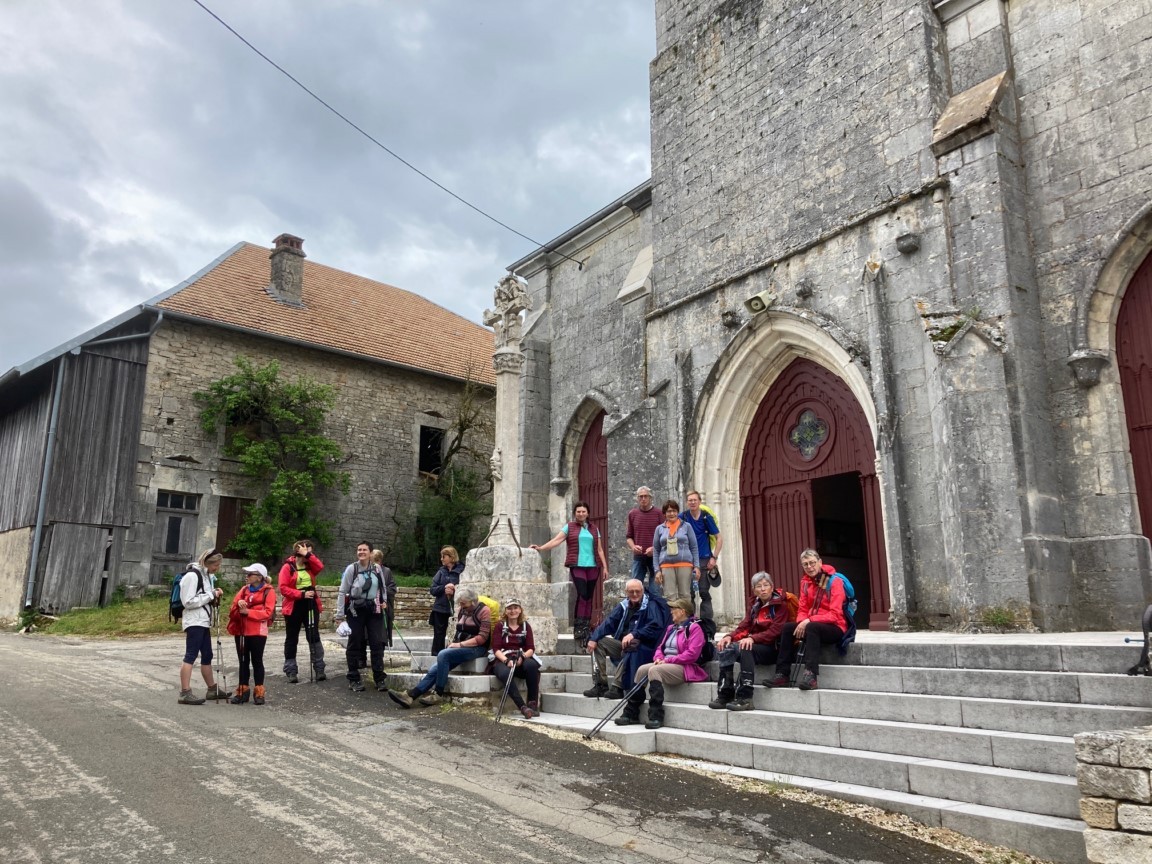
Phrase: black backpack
(708, 652)
(175, 604)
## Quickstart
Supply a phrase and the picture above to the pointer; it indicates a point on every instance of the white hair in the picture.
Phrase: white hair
(463, 592)
(761, 577)
(643, 489)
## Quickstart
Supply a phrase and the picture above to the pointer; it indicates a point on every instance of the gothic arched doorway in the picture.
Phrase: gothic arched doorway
(592, 486)
(808, 478)
(1134, 360)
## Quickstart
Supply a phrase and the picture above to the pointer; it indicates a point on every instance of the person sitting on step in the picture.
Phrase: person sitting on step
(513, 649)
(629, 636)
(753, 641)
(473, 626)
(819, 622)
(677, 661)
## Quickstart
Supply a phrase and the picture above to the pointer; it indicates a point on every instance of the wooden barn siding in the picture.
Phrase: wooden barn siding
(73, 568)
(98, 433)
(22, 434)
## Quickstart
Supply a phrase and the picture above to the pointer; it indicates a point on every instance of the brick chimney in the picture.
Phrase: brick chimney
(288, 270)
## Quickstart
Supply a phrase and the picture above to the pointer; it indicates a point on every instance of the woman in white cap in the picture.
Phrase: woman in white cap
(252, 610)
(513, 648)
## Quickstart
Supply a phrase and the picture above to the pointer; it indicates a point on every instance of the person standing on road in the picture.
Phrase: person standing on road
(201, 599)
(252, 609)
(390, 600)
(709, 542)
(584, 548)
(362, 598)
(301, 607)
(473, 627)
(643, 520)
(443, 589)
(675, 554)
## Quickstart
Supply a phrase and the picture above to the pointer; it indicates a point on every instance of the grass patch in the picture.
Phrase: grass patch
(144, 617)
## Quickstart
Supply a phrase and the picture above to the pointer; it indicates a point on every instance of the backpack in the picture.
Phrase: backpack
(494, 608)
(175, 604)
(849, 610)
(708, 652)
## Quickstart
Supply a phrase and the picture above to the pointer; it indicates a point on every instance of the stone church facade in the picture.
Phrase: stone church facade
(941, 212)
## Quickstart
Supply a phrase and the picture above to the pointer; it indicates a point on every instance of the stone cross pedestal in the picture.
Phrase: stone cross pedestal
(500, 568)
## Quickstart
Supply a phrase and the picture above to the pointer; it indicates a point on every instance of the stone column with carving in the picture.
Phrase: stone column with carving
(501, 568)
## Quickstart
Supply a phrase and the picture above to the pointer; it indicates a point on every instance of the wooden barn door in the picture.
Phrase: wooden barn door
(592, 486)
(808, 479)
(1134, 358)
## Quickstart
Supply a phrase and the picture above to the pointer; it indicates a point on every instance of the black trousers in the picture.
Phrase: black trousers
(367, 633)
(816, 636)
(764, 655)
(304, 616)
(529, 670)
(250, 651)
(439, 622)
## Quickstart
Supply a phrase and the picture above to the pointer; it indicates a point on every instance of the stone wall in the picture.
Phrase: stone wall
(376, 420)
(1114, 771)
(15, 547)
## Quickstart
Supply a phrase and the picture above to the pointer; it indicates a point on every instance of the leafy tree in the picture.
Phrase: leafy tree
(275, 430)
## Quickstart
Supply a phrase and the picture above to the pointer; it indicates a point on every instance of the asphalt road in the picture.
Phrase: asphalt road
(98, 763)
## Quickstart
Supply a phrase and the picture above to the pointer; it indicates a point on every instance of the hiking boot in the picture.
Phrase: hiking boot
(293, 678)
(430, 698)
(722, 699)
(381, 682)
(779, 681)
(320, 676)
(258, 698)
(534, 705)
(596, 691)
(740, 703)
(216, 694)
(527, 712)
(614, 693)
(241, 695)
(630, 717)
(404, 700)
(807, 680)
(356, 686)
(655, 718)
(187, 697)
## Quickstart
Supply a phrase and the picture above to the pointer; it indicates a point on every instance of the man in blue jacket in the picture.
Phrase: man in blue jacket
(630, 636)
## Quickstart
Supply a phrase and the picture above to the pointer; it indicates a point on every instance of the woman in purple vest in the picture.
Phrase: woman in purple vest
(585, 547)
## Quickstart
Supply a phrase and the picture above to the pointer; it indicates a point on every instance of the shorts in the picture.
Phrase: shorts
(198, 640)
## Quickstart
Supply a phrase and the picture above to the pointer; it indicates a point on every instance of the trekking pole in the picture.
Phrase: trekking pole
(618, 706)
(219, 659)
(797, 664)
(396, 630)
(309, 630)
(507, 689)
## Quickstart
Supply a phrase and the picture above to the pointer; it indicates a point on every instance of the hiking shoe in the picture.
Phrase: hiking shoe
(807, 681)
(779, 681)
(356, 686)
(654, 722)
(400, 698)
(722, 699)
(216, 694)
(258, 698)
(527, 712)
(187, 697)
(320, 676)
(382, 683)
(615, 693)
(596, 691)
(741, 704)
(626, 720)
(241, 695)
(430, 698)
(534, 704)
(293, 678)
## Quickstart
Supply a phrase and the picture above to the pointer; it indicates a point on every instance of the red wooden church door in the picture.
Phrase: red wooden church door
(592, 486)
(808, 478)
(1134, 357)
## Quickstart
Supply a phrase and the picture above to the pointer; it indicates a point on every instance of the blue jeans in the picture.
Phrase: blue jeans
(643, 564)
(446, 661)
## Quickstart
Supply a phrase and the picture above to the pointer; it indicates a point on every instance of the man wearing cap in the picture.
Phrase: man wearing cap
(643, 520)
(702, 521)
(629, 636)
(252, 610)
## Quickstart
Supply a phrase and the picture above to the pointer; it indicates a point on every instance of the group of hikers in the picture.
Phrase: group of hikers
(653, 636)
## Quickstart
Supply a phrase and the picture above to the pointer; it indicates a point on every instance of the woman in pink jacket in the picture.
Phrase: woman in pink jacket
(677, 661)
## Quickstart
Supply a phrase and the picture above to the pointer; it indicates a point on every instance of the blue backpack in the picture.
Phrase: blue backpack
(175, 604)
(849, 612)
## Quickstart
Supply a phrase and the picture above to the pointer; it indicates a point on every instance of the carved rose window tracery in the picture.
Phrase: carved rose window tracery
(808, 435)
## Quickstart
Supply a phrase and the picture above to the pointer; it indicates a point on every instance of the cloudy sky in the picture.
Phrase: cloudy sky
(139, 140)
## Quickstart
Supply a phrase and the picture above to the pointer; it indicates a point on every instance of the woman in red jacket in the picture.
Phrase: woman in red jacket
(301, 608)
(819, 621)
(252, 610)
(753, 641)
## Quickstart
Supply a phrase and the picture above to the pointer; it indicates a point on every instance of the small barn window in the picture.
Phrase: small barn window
(231, 517)
(431, 450)
(175, 522)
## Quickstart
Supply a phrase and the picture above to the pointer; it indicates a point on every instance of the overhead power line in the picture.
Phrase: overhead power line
(378, 143)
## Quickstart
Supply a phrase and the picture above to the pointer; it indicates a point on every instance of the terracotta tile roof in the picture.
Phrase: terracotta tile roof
(412, 330)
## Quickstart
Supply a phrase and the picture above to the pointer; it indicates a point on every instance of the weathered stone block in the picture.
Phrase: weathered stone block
(1098, 812)
(1117, 847)
(1098, 748)
(1133, 817)
(1136, 749)
(1103, 781)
